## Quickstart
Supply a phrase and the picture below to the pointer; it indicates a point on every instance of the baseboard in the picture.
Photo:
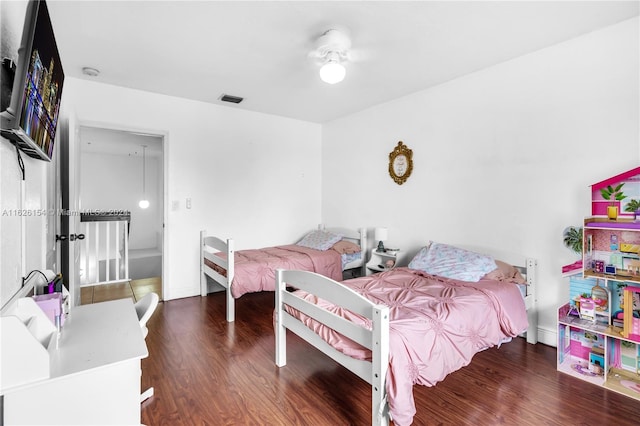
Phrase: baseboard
(180, 293)
(548, 337)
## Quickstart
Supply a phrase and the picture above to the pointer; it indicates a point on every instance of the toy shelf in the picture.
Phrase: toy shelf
(590, 273)
(604, 223)
(588, 325)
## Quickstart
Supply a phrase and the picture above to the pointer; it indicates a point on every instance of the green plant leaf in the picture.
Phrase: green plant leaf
(632, 206)
(573, 238)
(613, 194)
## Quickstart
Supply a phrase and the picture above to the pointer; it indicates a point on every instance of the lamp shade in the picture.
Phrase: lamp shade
(381, 234)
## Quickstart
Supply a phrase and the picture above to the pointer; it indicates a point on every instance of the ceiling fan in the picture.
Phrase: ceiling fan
(332, 51)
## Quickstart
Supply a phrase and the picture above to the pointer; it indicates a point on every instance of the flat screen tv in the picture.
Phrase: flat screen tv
(31, 119)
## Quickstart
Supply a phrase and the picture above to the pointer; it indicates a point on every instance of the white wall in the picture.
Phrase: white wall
(502, 158)
(252, 177)
(27, 215)
(27, 218)
(114, 182)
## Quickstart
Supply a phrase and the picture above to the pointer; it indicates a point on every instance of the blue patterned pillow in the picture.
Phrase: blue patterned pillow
(319, 240)
(452, 262)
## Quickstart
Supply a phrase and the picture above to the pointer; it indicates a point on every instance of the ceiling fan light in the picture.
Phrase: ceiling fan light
(332, 72)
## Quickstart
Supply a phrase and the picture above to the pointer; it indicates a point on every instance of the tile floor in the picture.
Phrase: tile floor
(135, 289)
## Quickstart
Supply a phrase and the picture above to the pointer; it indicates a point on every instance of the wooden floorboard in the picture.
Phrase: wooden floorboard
(133, 289)
(206, 371)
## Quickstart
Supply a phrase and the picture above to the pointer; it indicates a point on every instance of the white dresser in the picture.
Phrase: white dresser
(88, 374)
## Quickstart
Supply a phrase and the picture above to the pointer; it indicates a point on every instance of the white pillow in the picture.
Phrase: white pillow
(319, 240)
(452, 262)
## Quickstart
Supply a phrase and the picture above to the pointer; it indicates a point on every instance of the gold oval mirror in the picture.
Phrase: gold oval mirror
(400, 163)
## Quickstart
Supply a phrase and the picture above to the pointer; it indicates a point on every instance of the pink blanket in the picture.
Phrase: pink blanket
(436, 326)
(254, 270)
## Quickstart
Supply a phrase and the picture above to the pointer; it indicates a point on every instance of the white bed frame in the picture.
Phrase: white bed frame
(210, 246)
(376, 339)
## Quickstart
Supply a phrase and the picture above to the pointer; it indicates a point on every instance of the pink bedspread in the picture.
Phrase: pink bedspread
(436, 326)
(254, 269)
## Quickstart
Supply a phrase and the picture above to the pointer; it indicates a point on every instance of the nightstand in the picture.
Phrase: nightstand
(377, 261)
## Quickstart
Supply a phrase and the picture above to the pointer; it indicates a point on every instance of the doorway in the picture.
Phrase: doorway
(118, 169)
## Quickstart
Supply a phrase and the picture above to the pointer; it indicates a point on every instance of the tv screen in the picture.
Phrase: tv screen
(31, 119)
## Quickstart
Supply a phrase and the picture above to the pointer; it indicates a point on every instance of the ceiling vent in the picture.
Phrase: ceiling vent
(232, 99)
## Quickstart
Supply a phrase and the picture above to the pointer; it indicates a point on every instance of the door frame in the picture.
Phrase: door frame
(66, 175)
(164, 136)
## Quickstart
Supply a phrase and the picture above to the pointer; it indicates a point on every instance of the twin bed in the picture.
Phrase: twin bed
(327, 251)
(405, 326)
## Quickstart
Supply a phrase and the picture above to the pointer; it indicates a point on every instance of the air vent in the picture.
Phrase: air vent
(232, 99)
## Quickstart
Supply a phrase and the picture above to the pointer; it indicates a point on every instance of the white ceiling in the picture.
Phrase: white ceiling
(259, 49)
(118, 142)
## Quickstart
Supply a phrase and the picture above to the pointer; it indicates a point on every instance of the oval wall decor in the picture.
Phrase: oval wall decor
(400, 163)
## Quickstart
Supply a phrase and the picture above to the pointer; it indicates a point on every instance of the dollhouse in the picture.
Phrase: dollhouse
(599, 329)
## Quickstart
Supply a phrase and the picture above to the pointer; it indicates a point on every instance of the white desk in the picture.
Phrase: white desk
(94, 372)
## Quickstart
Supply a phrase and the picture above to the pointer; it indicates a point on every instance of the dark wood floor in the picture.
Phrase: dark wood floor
(208, 372)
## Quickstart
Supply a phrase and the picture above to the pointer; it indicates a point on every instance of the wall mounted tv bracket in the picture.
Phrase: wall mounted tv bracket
(9, 64)
(8, 75)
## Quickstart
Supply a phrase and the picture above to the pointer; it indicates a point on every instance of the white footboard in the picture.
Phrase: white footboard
(210, 247)
(376, 339)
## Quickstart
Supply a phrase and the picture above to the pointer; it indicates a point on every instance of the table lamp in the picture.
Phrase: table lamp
(381, 234)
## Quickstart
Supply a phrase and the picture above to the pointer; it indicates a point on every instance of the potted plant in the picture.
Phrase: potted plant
(613, 195)
(633, 206)
(572, 237)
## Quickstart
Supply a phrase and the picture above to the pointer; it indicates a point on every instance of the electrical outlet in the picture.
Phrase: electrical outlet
(188, 203)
